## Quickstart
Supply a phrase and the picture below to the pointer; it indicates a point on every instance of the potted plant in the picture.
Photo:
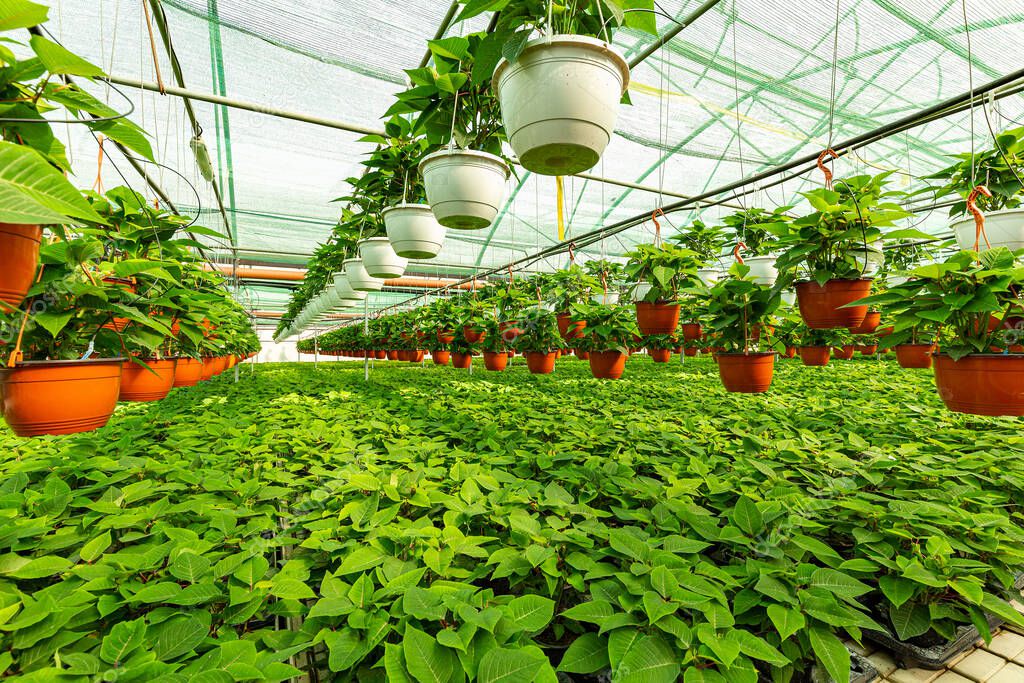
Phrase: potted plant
(660, 347)
(495, 346)
(462, 354)
(563, 290)
(662, 273)
(540, 341)
(559, 93)
(609, 275)
(1001, 170)
(473, 316)
(610, 333)
(739, 312)
(756, 232)
(821, 246)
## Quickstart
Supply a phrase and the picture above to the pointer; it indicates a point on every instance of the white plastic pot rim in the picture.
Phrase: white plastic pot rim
(573, 40)
(465, 153)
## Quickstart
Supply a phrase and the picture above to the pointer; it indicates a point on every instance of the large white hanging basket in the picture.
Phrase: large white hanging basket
(560, 100)
(709, 276)
(609, 298)
(762, 270)
(358, 278)
(465, 189)
(413, 231)
(1003, 229)
(380, 259)
(347, 296)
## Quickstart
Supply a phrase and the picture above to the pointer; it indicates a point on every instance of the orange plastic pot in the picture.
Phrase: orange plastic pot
(417, 356)
(844, 353)
(869, 324)
(868, 349)
(209, 368)
(441, 357)
(790, 352)
(232, 362)
(473, 335)
(445, 336)
(510, 330)
(821, 306)
(19, 253)
(981, 384)
(607, 364)
(392, 355)
(380, 355)
(914, 356)
(60, 397)
(220, 365)
(140, 384)
(582, 355)
(657, 318)
(540, 363)
(495, 360)
(569, 328)
(462, 360)
(814, 356)
(188, 372)
(660, 355)
(690, 351)
(692, 331)
(746, 373)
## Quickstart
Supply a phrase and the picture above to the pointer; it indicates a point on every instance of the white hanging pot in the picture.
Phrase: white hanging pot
(465, 189)
(709, 276)
(380, 259)
(1003, 229)
(894, 280)
(869, 260)
(789, 297)
(346, 294)
(762, 270)
(560, 100)
(358, 278)
(413, 231)
(640, 290)
(609, 298)
(331, 299)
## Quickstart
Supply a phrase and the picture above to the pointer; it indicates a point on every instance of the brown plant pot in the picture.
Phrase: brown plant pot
(690, 351)
(417, 356)
(660, 355)
(495, 361)
(844, 353)
(19, 255)
(60, 397)
(472, 335)
(462, 360)
(820, 306)
(380, 355)
(607, 364)
(139, 384)
(510, 330)
(209, 364)
(746, 373)
(540, 363)
(790, 352)
(981, 384)
(868, 349)
(657, 318)
(915, 356)
(441, 357)
(582, 355)
(814, 356)
(188, 372)
(692, 331)
(869, 324)
(391, 355)
(569, 328)
(445, 337)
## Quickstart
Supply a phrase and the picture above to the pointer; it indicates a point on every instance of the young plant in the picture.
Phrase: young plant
(540, 332)
(668, 269)
(707, 241)
(609, 328)
(999, 168)
(739, 312)
(759, 229)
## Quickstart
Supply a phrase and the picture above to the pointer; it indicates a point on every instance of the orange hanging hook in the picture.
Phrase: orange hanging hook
(825, 169)
(979, 217)
(572, 252)
(657, 225)
(736, 252)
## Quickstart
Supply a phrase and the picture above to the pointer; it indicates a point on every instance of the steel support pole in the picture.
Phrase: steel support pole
(366, 332)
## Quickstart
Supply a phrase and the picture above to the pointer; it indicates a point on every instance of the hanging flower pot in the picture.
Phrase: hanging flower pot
(1002, 228)
(473, 334)
(540, 363)
(465, 189)
(569, 328)
(981, 384)
(358, 278)
(560, 100)
(462, 360)
(188, 372)
(510, 330)
(657, 318)
(393, 355)
(445, 337)
(869, 324)
(762, 270)
(417, 356)
(380, 355)
(692, 331)
(60, 397)
(495, 361)
(660, 355)
(582, 355)
(607, 364)
(413, 231)
(868, 349)
(820, 306)
(814, 356)
(709, 276)
(746, 373)
(380, 259)
(844, 352)
(141, 384)
(915, 356)
(19, 258)
(790, 352)
(441, 357)
(690, 351)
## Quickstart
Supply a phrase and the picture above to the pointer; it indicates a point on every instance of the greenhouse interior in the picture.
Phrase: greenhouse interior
(512, 341)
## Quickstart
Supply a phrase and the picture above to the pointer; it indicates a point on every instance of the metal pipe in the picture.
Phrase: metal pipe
(441, 30)
(675, 31)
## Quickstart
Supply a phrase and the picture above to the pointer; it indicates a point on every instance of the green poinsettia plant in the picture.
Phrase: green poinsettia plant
(999, 168)
(609, 328)
(758, 228)
(539, 332)
(664, 271)
(740, 312)
(564, 288)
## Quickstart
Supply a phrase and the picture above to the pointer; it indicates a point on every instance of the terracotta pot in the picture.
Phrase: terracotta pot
(914, 356)
(868, 349)
(657, 318)
(441, 357)
(221, 366)
(660, 355)
(19, 253)
(495, 361)
(582, 355)
(746, 373)
(417, 356)
(820, 306)
(540, 363)
(869, 324)
(473, 335)
(60, 397)
(208, 368)
(690, 351)
(445, 337)
(462, 360)
(188, 372)
(790, 352)
(815, 356)
(692, 331)
(391, 355)
(510, 330)
(569, 328)
(981, 384)
(380, 355)
(607, 364)
(140, 384)
(844, 353)
(232, 362)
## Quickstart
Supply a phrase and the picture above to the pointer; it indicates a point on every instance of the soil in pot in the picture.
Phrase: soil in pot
(657, 318)
(747, 373)
(19, 245)
(441, 357)
(843, 353)
(472, 335)
(821, 306)
(141, 384)
(495, 360)
(981, 384)
(60, 397)
(540, 363)
(188, 372)
(607, 364)
(815, 356)
(462, 361)
(569, 328)
(869, 324)
(660, 355)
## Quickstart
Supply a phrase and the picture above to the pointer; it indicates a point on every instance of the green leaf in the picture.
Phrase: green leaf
(786, 621)
(896, 589)
(96, 547)
(53, 321)
(16, 14)
(651, 660)
(157, 592)
(427, 661)
(39, 568)
(59, 61)
(747, 517)
(910, 620)
(179, 635)
(189, 567)
(530, 613)
(838, 583)
(33, 191)
(361, 559)
(122, 640)
(502, 665)
(291, 589)
(346, 648)
(831, 653)
(586, 654)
